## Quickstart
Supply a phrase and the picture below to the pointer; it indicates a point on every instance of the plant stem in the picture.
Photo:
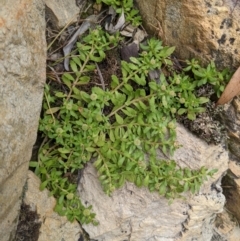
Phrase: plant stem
(131, 102)
(122, 83)
(81, 71)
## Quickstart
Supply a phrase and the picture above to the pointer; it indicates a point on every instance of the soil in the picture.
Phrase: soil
(28, 225)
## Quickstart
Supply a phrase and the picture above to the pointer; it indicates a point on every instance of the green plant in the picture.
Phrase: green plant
(209, 75)
(131, 13)
(118, 127)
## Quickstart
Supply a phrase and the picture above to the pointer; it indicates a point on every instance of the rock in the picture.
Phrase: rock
(22, 77)
(226, 228)
(61, 12)
(231, 186)
(54, 227)
(199, 29)
(136, 214)
(231, 182)
(232, 121)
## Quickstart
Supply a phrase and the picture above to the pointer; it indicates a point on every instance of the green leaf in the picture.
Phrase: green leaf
(102, 177)
(76, 60)
(142, 92)
(52, 110)
(198, 73)
(162, 188)
(66, 81)
(101, 54)
(196, 186)
(192, 188)
(120, 161)
(95, 58)
(186, 187)
(99, 91)
(121, 181)
(128, 87)
(100, 143)
(138, 181)
(85, 96)
(60, 94)
(76, 91)
(212, 172)
(124, 74)
(83, 47)
(43, 185)
(129, 165)
(142, 105)
(168, 62)
(60, 200)
(68, 76)
(169, 51)
(152, 104)
(188, 172)
(191, 116)
(133, 66)
(73, 66)
(134, 60)
(203, 100)
(119, 119)
(84, 80)
(90, 67)
(153, 85)
(42, 170)
(82, 56)
(111, 135)
(63, 150)
(115, 81)
(182, 111)
(187, 68)
(33, 164)
(116, 132)
(140, 80)
(90, 149)
(97, 163)
(129, 112)
(202, 82)
(164, 102)
(146, 181)
(154, 169)
(200, 109)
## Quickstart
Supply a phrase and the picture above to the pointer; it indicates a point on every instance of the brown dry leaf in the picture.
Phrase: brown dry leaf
(231, 90)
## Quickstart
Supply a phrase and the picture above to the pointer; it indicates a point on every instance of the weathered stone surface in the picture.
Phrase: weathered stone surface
(226, 228)
(61, 12)
(22, 77)
(232, 122)
(136, 214)
(231, 186)
(54, 227)
(203, 29)
(231, 183)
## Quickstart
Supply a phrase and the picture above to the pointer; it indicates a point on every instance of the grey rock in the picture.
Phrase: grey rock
(61, 12)
(54, 227)
(22, 77)
(226, 228)
(135, 214)
(231, 181)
